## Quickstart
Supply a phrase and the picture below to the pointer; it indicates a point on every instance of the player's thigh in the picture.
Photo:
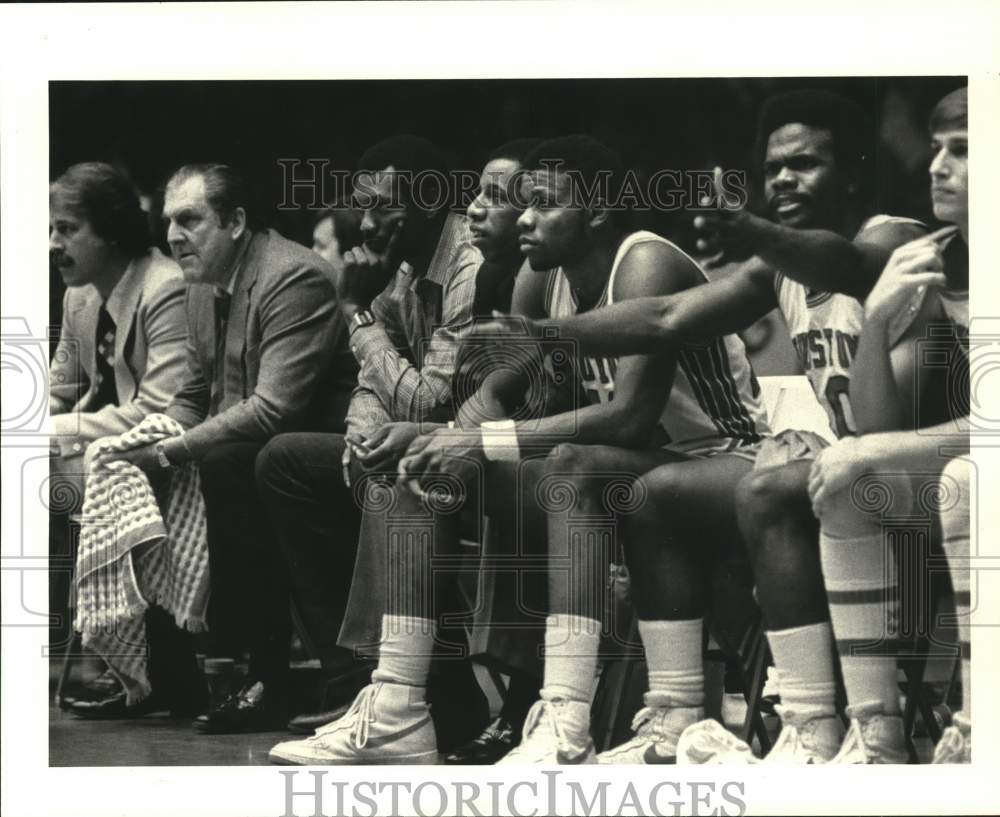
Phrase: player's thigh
(696, 494)
(605, 461)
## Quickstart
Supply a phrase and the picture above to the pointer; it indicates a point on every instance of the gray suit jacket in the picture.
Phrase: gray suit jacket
(287, 361)
(147, 306)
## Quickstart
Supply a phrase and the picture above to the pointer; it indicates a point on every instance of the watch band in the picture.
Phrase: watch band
(362, 318)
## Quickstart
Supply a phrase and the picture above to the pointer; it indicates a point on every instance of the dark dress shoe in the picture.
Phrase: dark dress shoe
(459, 707)
(103, 686)
(255, 708)
(496, 740)
(309, 722)
(115, 707)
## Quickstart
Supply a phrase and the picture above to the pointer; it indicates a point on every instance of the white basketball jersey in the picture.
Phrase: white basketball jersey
(825, 328)
(714, 404)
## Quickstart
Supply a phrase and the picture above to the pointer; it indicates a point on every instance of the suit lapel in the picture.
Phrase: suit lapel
(126, 297)
(239, 316)
(86, 321)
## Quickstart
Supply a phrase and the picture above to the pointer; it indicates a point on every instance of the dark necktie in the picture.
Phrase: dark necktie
(104, 377)
(222, 300)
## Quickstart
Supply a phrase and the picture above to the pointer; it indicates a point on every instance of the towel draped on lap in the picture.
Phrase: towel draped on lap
(130, 555)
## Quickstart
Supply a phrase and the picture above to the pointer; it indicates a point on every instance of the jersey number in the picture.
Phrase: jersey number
(840, 404)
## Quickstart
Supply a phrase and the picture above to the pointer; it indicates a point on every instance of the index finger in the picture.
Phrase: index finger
(945, 232)
(717, 185)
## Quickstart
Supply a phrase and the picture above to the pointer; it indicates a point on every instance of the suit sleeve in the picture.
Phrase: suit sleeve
(67, 381)
(190, 404)
(297, 326)
(162, 320)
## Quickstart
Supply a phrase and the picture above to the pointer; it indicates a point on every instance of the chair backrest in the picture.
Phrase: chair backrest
(791, 403)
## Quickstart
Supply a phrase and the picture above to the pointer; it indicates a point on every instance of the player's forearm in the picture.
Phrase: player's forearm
(599, 424)
(635, 327)
(874, 395)
(819, 259)
(926, 449)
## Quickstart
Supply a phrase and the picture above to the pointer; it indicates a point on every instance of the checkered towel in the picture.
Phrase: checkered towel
(130, 556)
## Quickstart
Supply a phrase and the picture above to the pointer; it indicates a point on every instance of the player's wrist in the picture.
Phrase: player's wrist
(498, 439)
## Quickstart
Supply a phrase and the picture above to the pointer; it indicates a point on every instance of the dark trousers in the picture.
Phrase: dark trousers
(248, 607)
(316, 521)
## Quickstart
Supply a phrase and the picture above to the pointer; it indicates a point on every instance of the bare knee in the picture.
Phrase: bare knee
(767, 497)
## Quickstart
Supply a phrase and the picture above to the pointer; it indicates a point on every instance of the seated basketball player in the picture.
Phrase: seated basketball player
(924, 286)
(582, 255)
(826, 254)
(622, 434)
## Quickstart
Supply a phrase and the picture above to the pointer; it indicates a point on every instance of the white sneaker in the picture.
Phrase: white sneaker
(805, 738)
(657, 728)
(955, 745)
(387, 724)
(708, 742)
(556, 731)
(873, 738)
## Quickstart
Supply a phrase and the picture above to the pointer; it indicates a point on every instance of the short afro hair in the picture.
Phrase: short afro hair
(416, 159)
(516, 149)
(598, 171)
(852, 131)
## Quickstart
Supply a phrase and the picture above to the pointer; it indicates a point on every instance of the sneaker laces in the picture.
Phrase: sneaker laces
(543, 713)
(796, 729)
(357, 718)
(855, 740)
(647, 723)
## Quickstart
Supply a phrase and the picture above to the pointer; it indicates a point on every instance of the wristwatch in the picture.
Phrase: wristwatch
(161, 455)
(362, 318)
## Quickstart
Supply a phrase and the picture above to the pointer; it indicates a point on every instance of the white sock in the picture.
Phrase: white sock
(674, 660)
(405, 650)
(571, 644)
(861, 586)
(803, 657)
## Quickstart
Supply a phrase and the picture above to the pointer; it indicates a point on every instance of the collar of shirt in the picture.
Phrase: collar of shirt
(230, 286)
(454, 233)
(114, 303)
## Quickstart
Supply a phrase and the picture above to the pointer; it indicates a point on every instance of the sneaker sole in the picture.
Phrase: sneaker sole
(418, 759)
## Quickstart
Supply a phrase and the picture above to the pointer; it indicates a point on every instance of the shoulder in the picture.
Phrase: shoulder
(80, 299)
(460, 258)
(159, 272)
(465, 263)
(650, 259)
(889, 232)
(279, 259)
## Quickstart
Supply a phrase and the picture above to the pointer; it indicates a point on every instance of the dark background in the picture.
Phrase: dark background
(151, 128)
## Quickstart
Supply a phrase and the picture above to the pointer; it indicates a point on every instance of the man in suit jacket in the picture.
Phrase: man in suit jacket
(267, 352)
(99, 242)
(120, 357)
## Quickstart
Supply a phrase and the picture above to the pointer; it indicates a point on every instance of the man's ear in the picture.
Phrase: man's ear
(238, 223)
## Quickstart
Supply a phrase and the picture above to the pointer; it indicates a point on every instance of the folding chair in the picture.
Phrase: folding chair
(622, 682)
